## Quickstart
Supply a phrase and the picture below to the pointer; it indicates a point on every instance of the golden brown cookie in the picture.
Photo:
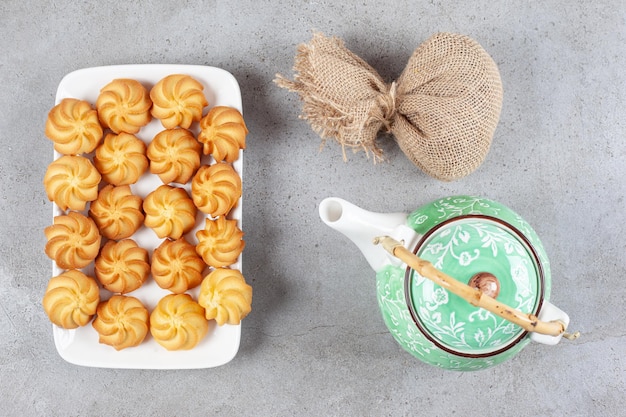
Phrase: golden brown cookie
(178, 322)
(225, 296)
(73, 240)
(122, 266)
(174, 155)
(73, 126)
(223, 133)
(170, 212)
(216, 189)
(71, 299)
(121, 159)
(124, 106)
(117, 212)
(71, 181)
(176, 266)
(178, 100)
(220, 243)
(121, 322)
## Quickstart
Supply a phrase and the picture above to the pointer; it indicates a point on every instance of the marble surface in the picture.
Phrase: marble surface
(315, 343)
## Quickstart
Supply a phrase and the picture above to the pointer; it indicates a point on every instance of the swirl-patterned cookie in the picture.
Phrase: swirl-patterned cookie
(225, 296)
(178, 100)
(121, 322)
(73, 127)
(71, 181)
(174, 155)
(176, 266)
(169, 212)
(178, 322)
(117, 212)
(220, 243)
(73, 240)
(223, 133)
(216, 189)
(122, 266)
(121, 159)
(124, 106)
(71, 299)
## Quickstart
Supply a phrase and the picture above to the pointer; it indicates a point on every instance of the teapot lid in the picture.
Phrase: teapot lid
(489, 254)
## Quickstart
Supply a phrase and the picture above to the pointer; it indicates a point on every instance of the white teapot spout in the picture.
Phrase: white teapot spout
(362, 226)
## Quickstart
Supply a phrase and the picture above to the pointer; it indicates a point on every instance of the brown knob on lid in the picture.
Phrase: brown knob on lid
(487, 283)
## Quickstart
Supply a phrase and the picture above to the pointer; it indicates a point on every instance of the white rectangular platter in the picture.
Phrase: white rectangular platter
(80, 346)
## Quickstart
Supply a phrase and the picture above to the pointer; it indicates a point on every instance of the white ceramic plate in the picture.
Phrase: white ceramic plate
(81, 346)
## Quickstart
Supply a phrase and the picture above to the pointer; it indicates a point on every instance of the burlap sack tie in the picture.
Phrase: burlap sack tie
(443, 109)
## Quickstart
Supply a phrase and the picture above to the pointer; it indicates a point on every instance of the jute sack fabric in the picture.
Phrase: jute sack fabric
(443, 109)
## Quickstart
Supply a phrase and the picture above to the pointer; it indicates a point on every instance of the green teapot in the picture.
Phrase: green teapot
(463, 283)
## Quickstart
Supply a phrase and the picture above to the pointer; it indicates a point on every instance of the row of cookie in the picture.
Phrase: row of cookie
(178, 322)
(73, 240)
(124, 105)
(72, 181)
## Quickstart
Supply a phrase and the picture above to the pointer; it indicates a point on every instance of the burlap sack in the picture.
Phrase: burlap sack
(443, 109)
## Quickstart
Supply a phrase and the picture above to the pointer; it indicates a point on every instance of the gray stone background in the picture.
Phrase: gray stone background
(315, 343)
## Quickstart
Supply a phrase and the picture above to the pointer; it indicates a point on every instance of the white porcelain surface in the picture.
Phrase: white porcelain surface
(81, 346)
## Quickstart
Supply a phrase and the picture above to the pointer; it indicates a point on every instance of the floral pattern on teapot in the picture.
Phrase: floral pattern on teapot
(390, 290)
(463, 249)
(468, 338)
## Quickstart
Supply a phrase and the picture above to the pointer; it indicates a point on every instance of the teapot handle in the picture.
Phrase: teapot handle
(529, 322)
